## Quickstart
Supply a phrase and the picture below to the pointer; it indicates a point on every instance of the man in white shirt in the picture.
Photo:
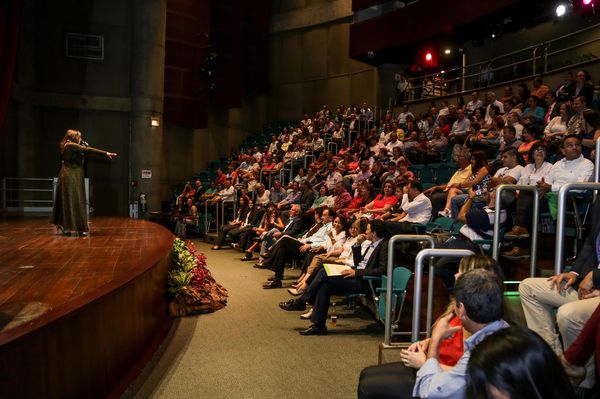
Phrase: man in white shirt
(490, 98)
(474, 104)
(571, 169)
(415, 208)
(227, 194)
(509, 174)
(460, 127)
(392, 143)
(402, 117)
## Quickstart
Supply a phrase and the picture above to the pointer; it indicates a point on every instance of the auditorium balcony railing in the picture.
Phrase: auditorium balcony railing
(555, 55)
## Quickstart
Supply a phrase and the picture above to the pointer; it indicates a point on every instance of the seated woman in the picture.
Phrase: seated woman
(515, 362)
(236, 222)
(252, 219)
(390, 379)
(533, 172)
(188, 216)
(366, 194)
(300, 177)
(557, 127)
(335, 240)
(270, 220)
(382, 203)
(322, 200)
(529, 140)
(480, 176)
(341, 254)
(533, 115)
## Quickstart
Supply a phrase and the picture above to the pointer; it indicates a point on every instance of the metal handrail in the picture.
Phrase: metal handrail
(534, 58)
(390, 270)
(560, 217)
(534, 227)
(453, 253)
(10, 185)
(580, 44)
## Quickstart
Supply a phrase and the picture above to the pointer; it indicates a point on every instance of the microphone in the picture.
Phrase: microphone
(84, 143)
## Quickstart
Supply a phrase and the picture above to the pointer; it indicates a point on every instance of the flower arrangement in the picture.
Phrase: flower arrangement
(190, 283)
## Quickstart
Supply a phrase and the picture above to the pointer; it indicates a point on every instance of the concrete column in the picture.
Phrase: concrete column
(147, 93)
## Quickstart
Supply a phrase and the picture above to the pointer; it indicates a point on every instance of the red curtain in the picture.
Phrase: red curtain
(10, 15)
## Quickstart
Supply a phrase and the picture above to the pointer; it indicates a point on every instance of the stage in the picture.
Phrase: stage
(80, 316)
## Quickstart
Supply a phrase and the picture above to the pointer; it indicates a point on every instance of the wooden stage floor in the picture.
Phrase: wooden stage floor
(47, 279)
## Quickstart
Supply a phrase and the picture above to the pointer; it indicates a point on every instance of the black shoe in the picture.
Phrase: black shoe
(293, 304)
(276, 283)
(314, 330)
(272, 278)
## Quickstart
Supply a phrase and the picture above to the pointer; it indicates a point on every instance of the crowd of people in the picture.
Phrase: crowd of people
(332, 190)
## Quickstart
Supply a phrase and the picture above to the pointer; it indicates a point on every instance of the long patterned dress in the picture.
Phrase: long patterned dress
(68, 211)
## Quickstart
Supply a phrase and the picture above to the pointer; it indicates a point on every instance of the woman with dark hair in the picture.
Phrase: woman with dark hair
(516, 363)
(240, 215)
(557, 127)
(322, 199)
(480, 176)
(534, 171)
(252, 219)
(383, 202)
(533, 114)
(270, 220)
(366, 194)
(69, 213)
(529, 140)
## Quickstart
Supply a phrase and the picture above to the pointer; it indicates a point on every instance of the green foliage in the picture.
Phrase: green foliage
(185, 262)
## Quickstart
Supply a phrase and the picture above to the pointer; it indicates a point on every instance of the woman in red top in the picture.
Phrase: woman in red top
(365, 194)
(383, 202)
(529, 141)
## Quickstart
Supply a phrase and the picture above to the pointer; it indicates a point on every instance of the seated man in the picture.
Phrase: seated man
(415, 208)
(292, 197)
(572, 168)
(509, 174)
(372, 262)
(572, 292)
(479, 302)
(438, 194)
(290, 248)
(292, 228)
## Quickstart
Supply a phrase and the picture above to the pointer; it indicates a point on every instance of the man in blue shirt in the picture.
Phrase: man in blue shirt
(479, 303)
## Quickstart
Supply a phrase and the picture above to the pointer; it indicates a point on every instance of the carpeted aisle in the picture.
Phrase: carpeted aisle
(252, 349)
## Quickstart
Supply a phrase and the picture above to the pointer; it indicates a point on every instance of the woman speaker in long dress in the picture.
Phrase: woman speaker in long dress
(69, 214)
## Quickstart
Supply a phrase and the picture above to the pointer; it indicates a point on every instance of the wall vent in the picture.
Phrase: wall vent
(89, 47)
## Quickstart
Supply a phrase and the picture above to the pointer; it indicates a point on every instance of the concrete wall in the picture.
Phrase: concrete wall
(310, 66)
(52, 93)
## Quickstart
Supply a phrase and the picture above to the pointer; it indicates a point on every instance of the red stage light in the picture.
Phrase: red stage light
(428, 57)
(587, 2)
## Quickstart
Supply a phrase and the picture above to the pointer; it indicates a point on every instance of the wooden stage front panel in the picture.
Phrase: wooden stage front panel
(80, 316)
